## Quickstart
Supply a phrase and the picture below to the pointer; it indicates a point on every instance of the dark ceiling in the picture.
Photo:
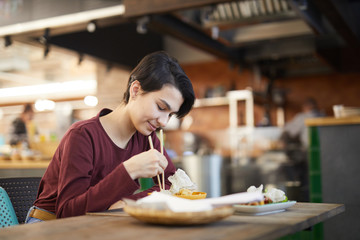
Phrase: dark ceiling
(280, 37)
(120, 44)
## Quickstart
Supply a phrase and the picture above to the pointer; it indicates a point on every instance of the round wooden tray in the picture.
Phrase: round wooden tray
(167, 217)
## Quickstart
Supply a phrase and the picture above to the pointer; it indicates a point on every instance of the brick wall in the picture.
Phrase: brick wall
(328, 90)
(210, 122)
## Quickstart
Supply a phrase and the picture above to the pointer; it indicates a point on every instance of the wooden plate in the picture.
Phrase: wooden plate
(167, 217)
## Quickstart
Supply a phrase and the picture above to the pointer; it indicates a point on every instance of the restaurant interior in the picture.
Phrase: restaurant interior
(252, 63)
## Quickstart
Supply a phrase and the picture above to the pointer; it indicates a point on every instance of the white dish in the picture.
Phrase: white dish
(263, 209)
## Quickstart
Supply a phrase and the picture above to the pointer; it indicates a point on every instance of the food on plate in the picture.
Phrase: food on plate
(271, 195)
(185, 192)
(274, 195)
(188, 194)
(182, 186)
(180, 180)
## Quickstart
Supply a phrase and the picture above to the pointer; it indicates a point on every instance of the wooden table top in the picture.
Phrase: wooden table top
(272, 226)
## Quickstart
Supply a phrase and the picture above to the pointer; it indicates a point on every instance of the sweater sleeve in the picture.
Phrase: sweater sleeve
(76, 195)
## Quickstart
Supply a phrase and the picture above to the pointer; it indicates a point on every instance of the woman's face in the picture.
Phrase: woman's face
(152, 110)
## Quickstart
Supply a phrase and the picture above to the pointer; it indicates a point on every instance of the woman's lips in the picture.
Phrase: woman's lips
(153, 128)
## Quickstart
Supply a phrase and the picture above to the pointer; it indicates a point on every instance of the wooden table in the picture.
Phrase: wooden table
(298, 217)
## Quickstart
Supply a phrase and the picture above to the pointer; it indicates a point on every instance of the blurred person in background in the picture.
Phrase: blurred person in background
(296, 128)
(22, 128)
(295, 139)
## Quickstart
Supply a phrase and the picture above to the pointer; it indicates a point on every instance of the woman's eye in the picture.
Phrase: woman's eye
(161, 109)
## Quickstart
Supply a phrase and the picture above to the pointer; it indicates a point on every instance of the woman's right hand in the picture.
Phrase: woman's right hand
(146, 164)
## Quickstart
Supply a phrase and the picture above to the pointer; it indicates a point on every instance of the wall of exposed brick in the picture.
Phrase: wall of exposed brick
(211, 122)
(327, 90)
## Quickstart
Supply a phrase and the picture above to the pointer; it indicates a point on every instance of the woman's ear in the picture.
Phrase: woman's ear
(135, 89)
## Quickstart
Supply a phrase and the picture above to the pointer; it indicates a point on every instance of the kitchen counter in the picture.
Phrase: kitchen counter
(329, 121)
(23, 168)
(23, 164)
(334, 168)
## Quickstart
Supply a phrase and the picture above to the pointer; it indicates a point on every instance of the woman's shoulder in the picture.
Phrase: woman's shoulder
(91, 123)
(83, 124)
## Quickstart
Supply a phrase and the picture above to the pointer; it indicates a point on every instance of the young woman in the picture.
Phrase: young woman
(99, 161)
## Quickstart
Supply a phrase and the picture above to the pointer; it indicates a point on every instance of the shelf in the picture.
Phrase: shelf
(328, 121)
(211, 102)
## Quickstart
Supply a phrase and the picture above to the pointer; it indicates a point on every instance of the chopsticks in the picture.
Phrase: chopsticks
(162, 152)
(161, 185)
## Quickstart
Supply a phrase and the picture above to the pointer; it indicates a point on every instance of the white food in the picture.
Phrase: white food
(181, 180)
(255, 189)
(274, 194)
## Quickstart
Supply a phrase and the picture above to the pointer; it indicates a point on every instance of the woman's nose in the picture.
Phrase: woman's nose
(163, 120)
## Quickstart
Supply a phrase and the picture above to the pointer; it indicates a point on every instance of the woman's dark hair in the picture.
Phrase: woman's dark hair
(157, 69)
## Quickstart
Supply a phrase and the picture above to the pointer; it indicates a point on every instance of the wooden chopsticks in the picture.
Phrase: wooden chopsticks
(161, 185)
(162, 152)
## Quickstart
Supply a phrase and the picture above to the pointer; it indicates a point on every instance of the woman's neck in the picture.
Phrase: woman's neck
(118, 126)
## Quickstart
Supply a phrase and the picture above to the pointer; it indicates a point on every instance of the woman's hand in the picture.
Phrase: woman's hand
(118, 204)
(146, 164)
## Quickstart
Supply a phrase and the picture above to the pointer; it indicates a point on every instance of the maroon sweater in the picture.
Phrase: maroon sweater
(87, 174)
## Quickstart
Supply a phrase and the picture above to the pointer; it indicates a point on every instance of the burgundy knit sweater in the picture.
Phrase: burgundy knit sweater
(87, 174)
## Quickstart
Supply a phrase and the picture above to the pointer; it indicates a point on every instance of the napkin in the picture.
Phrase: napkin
(236, 198)
(163, 201)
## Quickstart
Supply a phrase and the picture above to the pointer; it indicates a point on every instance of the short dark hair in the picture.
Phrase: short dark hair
(157, 69)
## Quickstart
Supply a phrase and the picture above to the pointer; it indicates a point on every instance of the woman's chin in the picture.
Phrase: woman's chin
(145, 132)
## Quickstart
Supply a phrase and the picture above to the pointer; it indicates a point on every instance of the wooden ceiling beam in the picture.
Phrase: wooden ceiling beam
(170, 25)
(136, 8)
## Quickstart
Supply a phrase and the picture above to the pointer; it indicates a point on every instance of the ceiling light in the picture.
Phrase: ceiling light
(44, 104)
(56, 90)
(91, 101)
(215, 32)
(62, 21)
(142, 23)
(91, 27)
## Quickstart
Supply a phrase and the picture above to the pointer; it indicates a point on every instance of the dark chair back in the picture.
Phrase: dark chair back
(22, 193)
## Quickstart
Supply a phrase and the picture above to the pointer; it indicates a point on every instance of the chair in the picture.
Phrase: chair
(22, 193)
(7, 212)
